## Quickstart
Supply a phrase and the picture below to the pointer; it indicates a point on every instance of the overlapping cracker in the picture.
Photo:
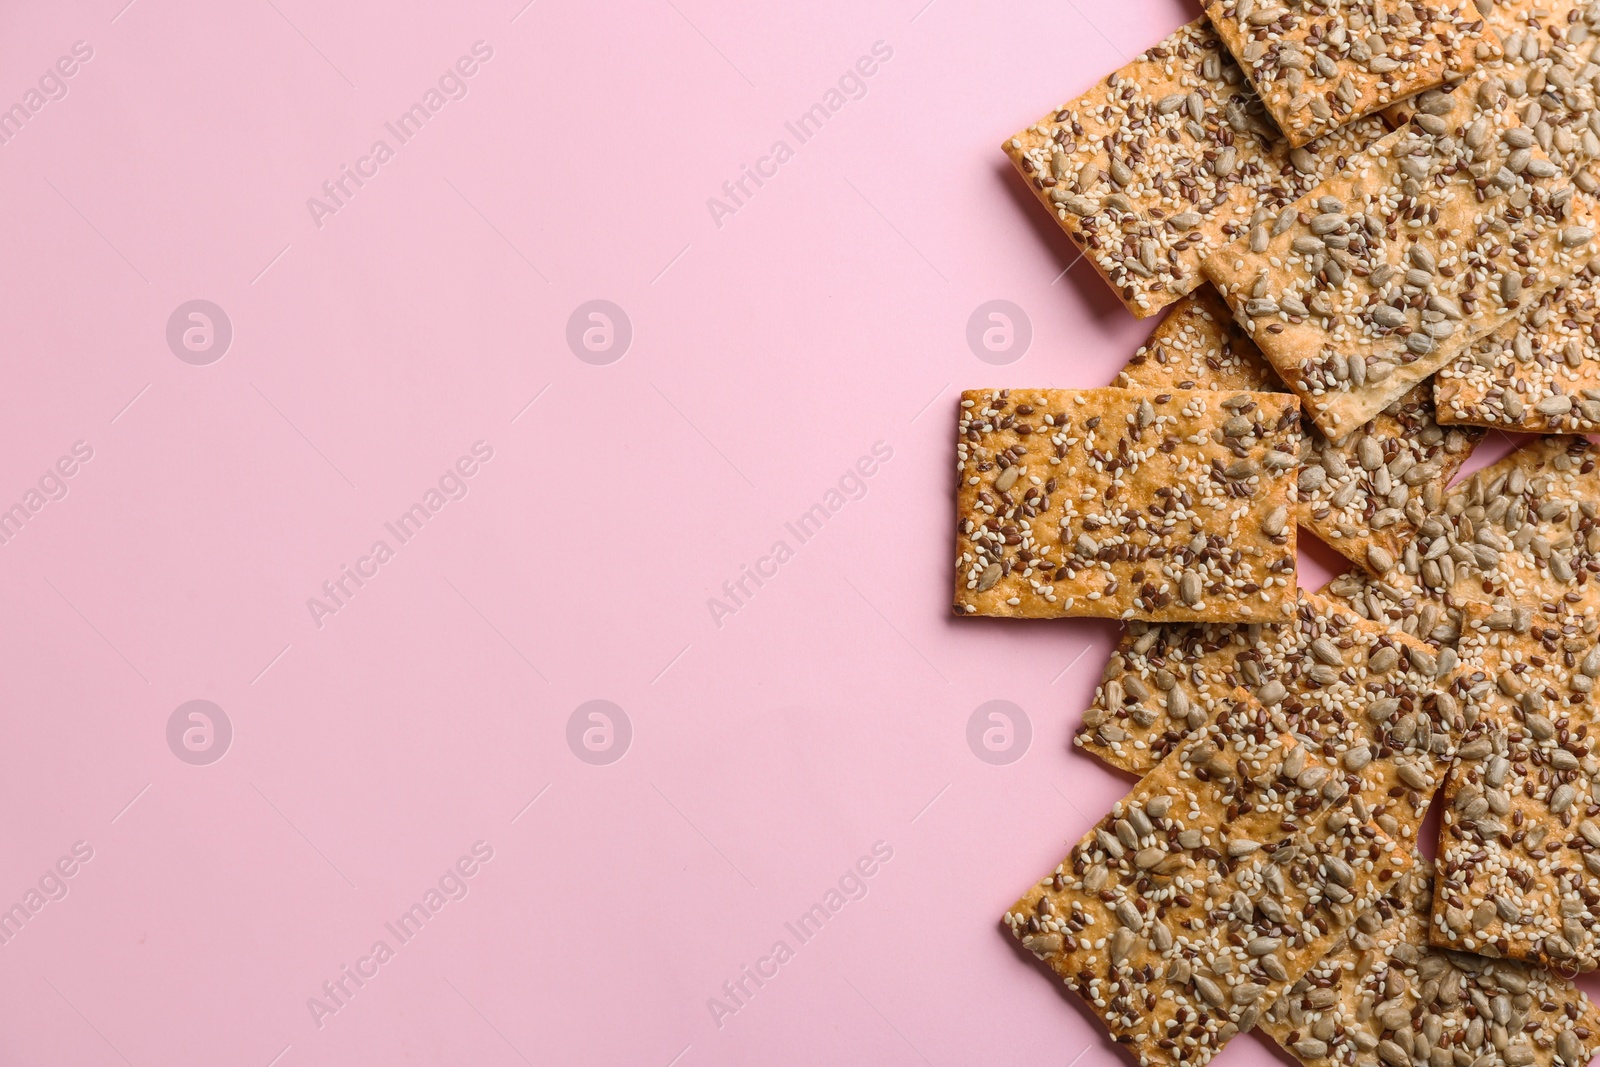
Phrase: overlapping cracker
(1543, 53)
(1383, 705)
(1519, 845)
(1367, 495)
(1364, 495)
(1318, 67)
(1199, 346)
(1549, 72)
(1165, 681)
(1228, 871)
(1126, 503)
(1435, 618)
(1522, 531)
(1538, 373)
(1383, 995)
(1439, 233)
(1166, 160)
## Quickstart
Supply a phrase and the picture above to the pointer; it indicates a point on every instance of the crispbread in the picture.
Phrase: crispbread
(1166, 160)
(1382, 992)
(1519, 850)
(1539, 372)
(1549, 73)
(1199, 346)
(1125, 503)
(1226, 873)
(1439, 233)
(1364, 495)
(1164, 681)
(1522, 531)
(1319, 67)
(1433, 617)
(1546, 66)
(1382, 704)
(1171, 675)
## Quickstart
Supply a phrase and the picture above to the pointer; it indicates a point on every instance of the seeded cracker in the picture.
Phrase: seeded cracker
(1441, 232)
(1363, 496)
(1318, 67)
(1540, 372)
(1199, 346)
(1385, 709)
(1166, 160)
(1522, 530)
(1403, 606)
(1546, 64)
(1125, 503)
(1226, 873)
(1383, 995)
(1519, 848)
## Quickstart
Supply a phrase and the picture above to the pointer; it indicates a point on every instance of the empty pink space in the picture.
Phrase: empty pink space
(480, 588)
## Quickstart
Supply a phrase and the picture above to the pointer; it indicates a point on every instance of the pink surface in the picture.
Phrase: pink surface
(585, 507)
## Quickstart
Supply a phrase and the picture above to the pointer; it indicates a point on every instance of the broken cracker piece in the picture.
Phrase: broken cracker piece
(1441, 232)
(1125, 503)
(1319, 67)
(1166, 160)
(1230, 870)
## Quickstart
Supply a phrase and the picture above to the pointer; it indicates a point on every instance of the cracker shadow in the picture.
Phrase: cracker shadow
(1103, 1040)
(1081, 275)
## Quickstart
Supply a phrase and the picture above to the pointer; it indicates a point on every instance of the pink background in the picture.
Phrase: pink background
(771, 748)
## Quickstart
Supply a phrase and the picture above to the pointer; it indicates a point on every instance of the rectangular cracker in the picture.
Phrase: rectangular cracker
(1522, 531)
(1228, 871)
(1539, 373)
(1519, 842)
(1125, 503)
(1384, 706)
(1318, 67)
(1383, 995)
(1365, 495)
(1167, 160)
(1363, 289)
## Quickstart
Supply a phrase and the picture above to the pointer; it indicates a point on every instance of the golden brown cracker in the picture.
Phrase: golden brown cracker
(1442, 232)
(1125, 503)
(1230, 869)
